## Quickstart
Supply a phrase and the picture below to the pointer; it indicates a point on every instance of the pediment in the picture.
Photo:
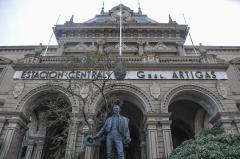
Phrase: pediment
(124, 8)
(4, 60)
(126, 12)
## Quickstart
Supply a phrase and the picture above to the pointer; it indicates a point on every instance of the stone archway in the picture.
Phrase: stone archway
(134, 107)
(24, 104)
(35, 104)
(191, 108)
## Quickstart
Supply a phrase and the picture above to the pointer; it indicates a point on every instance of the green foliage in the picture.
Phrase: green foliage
(209, 144)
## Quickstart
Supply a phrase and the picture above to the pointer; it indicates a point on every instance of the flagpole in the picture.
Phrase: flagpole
(120, 40)
(190, 36)
(45, 52)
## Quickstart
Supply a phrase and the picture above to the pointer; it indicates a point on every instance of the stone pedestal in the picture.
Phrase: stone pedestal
(143, 150)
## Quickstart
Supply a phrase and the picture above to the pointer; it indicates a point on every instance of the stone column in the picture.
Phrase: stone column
(71, 142)
(30, 150)
(38, 149)
(152, 137)
(89, 151)
(143, 150)
(167, 136)
(13, 138)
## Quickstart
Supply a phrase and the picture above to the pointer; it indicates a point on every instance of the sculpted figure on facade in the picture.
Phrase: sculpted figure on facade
(118, 135)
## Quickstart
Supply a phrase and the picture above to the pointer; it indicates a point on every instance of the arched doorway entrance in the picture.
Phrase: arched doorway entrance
(130, 109)
(186, 120)
(191, 111)
(49, 113)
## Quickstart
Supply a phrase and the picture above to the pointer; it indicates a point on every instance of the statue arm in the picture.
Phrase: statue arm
(101, 131)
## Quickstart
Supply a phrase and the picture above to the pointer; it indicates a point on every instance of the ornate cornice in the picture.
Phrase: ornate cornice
(67, 62)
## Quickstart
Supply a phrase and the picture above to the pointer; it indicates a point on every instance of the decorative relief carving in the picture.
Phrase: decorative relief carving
(18, 89)
(125, 48)
(159, 47)
(84, 91)
(155, 90)
(81, 47)
(126, 12)
(222, 89)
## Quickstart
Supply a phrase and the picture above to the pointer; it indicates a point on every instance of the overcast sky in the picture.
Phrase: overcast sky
(30, 22)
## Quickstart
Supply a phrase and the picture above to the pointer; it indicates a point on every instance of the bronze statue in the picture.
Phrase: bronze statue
(117, 131)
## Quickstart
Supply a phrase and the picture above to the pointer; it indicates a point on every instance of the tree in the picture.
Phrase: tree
(209, 144)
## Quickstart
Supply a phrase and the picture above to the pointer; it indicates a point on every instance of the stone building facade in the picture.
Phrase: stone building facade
(170, 92)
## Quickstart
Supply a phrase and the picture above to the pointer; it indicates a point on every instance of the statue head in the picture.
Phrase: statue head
(116, 109)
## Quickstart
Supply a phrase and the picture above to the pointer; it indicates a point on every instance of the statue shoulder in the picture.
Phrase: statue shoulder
(109, 119)
(125, 119)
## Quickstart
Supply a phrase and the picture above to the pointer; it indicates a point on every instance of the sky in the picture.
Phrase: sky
(30, 22)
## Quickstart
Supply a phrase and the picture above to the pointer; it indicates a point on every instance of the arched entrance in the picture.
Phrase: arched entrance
(191, 111)
(49, 113)
(130, 109)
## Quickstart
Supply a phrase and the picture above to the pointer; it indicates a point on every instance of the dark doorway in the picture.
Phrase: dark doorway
(184, 117)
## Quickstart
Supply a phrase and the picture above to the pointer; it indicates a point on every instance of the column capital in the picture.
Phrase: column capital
(16, 120)
(225, 117)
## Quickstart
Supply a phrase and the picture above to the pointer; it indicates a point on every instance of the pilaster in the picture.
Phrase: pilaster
(89, 151)
(167, 136)
(227, 120)
(14, 134)
(29, 151)
(39, 148)
(152, 136)
(72, 137)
